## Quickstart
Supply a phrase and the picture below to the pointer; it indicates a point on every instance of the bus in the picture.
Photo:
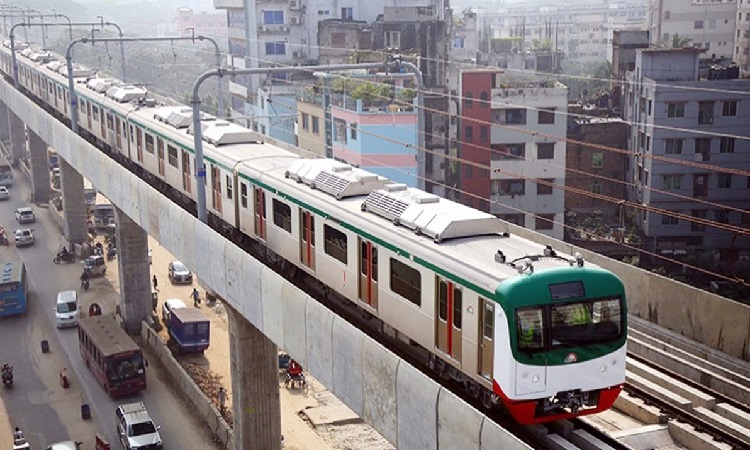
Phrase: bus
(114, 358)
(6, 173)
(13, 288)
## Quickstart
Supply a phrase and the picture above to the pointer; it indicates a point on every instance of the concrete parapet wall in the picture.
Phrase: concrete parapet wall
(370, 379)
(705, 317)
(189, 390)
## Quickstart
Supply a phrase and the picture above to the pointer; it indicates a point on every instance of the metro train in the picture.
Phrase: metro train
(522, 326)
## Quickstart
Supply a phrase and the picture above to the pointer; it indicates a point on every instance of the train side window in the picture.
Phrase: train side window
(149, 143)
(229, 187)
(95, 110)
(110, 122)
(406, 282)
(336, 243)
(172, 155)
(282, 215)
(457, 308)
(243, 195)
(82, 106)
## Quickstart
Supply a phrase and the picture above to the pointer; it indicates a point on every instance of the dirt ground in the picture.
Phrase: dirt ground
(213, 368)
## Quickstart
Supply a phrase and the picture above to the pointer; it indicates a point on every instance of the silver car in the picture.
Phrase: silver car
(25, 215)
(136, 429)
(179, 273)
(24, 236)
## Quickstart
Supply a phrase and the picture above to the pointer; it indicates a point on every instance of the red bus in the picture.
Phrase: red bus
(113, 357)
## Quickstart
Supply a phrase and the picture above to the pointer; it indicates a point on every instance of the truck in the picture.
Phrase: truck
(189, 331)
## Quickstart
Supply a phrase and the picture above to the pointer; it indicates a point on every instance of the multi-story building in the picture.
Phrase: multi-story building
(271, 33)
(512, 147)
(688, 139)
(742, 35)
(709, 24)
(579, 29)
(201, 23)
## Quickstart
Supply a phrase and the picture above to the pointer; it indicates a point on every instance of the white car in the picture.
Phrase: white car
(24, 236)
(4, 193)
(25, 215)
(65, 445)
(136, 429)
(170, 305)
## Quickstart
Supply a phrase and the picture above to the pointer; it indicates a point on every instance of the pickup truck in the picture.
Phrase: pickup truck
(189, 331)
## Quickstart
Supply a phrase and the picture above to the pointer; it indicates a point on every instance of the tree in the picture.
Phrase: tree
(680, 41)
(604, 71)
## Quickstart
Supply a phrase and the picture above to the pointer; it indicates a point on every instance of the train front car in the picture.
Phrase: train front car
(566, 328)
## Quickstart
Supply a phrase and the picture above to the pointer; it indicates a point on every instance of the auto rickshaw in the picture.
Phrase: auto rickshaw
(95, 265)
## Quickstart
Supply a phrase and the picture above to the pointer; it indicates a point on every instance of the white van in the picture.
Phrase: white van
(67, 311)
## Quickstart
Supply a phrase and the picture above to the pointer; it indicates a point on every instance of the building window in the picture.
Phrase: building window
(511, 187)
(698, 226)
(339, 130)
(315, 125)
(726, 145)
(545, 150)
(515, 116)
(273, 17)
(703, 147)
(675, 109)
(546, 116)
(485, 100)
(544, 222)
(516, 219)
(596, 188)
(669, 220)
(458, 42)
(469, 171)
(353, 131)
(705, 113)
(347, 14)
(336, 243)
(508, 152)
(597, 160)
(282, 215)
(406, 282)
(172, 155)
(484, 133)
(305, 119)
(671, 182)
(243, 195)
(698, 25)
(673, 146)
(729, 108)
(275, 48)
(468, 134)
(469, 99)
(724, 181)
(545, 189)
(393, 39)
(721, 215)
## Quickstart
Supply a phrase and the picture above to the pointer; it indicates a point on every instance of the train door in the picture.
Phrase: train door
(103, 124)
(449, 318)
(118, 134)
(259, 213)
(307, 238)
(486, 337)
(160, 155)
(186, 186)
(368, 273)
(216, 188)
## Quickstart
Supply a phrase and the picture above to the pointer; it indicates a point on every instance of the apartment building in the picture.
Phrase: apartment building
(512, 147)
(709, 24)
(689, 138)
(742, 37)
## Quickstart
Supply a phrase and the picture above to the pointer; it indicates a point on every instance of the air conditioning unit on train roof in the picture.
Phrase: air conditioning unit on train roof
(101, 85)
(79, 71)
(40, 57)
(55, 66)
(126, 93)
(222, 132)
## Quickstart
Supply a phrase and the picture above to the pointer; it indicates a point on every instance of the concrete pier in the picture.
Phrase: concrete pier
(40, 186)
(74, 204)
(135, 282)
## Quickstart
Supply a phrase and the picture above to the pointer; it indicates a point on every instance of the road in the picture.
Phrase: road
(38, 404)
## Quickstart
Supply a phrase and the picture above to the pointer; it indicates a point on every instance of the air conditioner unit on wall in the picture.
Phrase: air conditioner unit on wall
(261, 28)
(284, 28)
(294, 21)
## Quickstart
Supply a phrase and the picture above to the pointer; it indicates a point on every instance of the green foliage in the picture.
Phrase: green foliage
(407, 94)
(370, 92)
(680, 41)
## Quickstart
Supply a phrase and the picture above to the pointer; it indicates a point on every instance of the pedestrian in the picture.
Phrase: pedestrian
(196, 298)
(155, 283)
(222, 394)
(85, 279)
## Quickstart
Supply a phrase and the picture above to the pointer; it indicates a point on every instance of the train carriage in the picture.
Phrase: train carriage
(539, 332)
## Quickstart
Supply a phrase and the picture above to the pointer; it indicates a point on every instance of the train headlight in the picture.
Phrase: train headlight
(525, 375)
(535, 378)
(603, 368)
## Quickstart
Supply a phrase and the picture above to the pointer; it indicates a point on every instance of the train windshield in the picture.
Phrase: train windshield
(569, 325)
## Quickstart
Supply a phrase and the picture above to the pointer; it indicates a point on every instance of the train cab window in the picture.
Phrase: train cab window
(406, 282)
(588, 322)
(243, 195)
(229, 187)
(282, 215)
(529, 325)
(336, 243)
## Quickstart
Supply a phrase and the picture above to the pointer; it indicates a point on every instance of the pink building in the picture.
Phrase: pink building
(204, 23)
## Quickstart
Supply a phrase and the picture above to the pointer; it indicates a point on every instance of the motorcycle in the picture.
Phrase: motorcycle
(8, 375)
(64, 256)
(19, 441)
(111, 253)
